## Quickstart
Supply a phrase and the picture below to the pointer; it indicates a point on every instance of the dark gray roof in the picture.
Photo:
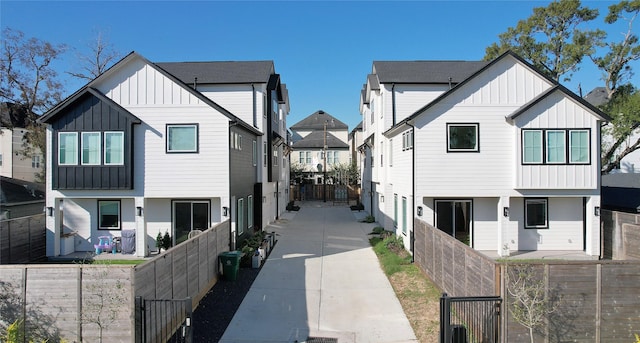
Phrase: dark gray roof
(315, 140)
(597, 96)
(224, 72)
(12, 115)
(16, 191)
(425, 71)
(626, 180)
(316, 122)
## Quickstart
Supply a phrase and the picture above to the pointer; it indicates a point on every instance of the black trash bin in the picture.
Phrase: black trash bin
(230, 264)
(128, 241)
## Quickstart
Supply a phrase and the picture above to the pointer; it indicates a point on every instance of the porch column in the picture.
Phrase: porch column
(504, 241)
(54, 230)
(592, 224)
(142, 248)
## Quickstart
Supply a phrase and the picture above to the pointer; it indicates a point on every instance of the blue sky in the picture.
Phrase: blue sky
(322, 49)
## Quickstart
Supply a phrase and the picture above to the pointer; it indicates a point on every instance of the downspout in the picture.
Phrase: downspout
(253, 100)
(412, 236)
(393, 104)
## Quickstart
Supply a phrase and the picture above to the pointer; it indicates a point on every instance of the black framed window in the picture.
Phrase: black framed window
(109, 217)
(556, 146)
(463, 137)
(182, 138)
(536, 213)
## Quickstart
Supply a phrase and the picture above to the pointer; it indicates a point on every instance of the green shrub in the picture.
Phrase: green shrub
(368, 219)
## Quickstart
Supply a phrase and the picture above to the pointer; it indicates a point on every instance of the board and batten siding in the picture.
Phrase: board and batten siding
(486, 100)
(158, 100)
(561, 112)
(409, 98)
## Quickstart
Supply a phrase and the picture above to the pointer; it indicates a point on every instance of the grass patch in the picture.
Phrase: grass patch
(118, 262)
(419, 297)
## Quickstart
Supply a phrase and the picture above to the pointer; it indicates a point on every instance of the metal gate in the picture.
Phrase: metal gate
(163, 320)
(470, 319)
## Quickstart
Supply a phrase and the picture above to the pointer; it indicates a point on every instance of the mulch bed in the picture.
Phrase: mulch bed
(219, 305)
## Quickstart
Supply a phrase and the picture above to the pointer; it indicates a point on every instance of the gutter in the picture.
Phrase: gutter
(413, 192)
(393, 104)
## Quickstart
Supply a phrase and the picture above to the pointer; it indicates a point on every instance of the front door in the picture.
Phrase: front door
(454, 218)
(188, 216)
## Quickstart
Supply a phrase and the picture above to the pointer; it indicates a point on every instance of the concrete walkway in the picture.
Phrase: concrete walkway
(321, 280)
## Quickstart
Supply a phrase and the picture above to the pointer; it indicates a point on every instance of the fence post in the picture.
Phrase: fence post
(188, 322)
(445, 307)
(138, 327)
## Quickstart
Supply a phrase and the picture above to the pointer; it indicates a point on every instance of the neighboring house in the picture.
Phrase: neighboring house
(621, 192)
(139, 149)
(501, 157)
(19, 198)
(314, 135)
(13, 163)
(629, 163)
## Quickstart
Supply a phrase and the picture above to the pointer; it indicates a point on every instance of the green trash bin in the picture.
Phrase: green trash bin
(230, 264)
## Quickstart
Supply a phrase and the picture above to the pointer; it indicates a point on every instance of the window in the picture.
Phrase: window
(35, 161)
(114, 148)
(308, 157)
(240, 216)
(532, 146)
(373, 111)
(109, 214)
(333, 157)
(275, 157)
(68, 148)
(404, 215)
(255, 153)
(381, 153)
(0, 159)
(395, 210)
(462, 138)
(264, 154)
(250, 211)
(391, 153)
(578, 146)
(407, 140)
(535, 214)
(91, 148)
(182, 138)
(556, 146)
(189, 215)
(302, 157)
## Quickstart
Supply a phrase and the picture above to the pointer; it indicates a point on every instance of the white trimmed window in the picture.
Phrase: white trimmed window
(532, 146)
(68, 148)
(578, 146)
(556, 151)
(240, 216)
(91, 148)
(113, 148)
(182, 138)
(255, 153)
(109, 214)
(407, 140)
(35, 161)
(535, 214)
(250, 211)
(463, 138)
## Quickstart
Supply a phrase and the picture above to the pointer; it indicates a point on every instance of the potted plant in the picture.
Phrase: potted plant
(159, 242)
(166, 241)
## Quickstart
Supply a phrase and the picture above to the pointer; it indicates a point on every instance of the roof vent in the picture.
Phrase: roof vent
(320, 112)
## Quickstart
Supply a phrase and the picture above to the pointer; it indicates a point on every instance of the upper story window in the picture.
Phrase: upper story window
(236, 141)
(305, 157)
(463, 138)
(407, 140)
(0, 159)
(373, 110)
(113, 148)
(391, 153)
(264, 154)
(552, 146)
(182, 138)
(333, 157)
(91, 148)
(68, 148)
(254, 156)
(35, 161)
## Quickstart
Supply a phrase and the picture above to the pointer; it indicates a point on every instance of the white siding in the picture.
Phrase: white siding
(408, 99)
(558, 111)
(237, 99)
(485, 223)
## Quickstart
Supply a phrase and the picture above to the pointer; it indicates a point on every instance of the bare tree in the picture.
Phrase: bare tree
(28, 80)
(101, 56)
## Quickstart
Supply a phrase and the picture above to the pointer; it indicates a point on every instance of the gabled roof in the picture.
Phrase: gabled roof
(131, 56)
(437, 72)
(52, 114)
(317, 120)
(601, 115)
(221, 72)
(16, 191)
(315, 140)
(597, 96)
(555, 87)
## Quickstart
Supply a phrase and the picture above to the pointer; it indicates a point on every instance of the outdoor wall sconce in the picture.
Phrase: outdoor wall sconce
(419, 211)
(264, 198)
(50, 211)
(596, 211)
(382, 198)
(505, 211)
(139, 211)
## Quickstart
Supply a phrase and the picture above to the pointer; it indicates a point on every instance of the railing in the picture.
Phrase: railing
(470, 319)
(163, 320)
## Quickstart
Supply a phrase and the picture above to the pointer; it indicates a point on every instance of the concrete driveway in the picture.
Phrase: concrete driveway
(322, 280)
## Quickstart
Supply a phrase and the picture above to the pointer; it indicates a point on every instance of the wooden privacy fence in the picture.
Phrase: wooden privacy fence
(620, 235)
(308, 192)
(597, 301)
(23, 240)
(91, 303)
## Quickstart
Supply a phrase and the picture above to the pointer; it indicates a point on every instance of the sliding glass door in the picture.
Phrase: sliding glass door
(455, 218)
(188, 216)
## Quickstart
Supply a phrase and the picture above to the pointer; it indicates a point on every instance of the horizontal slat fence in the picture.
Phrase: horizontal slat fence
(23, 240)
(599, 300)
(74, 301)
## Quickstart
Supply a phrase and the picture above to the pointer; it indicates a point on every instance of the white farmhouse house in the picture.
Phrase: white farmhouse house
(139, 150)
(504, 158)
